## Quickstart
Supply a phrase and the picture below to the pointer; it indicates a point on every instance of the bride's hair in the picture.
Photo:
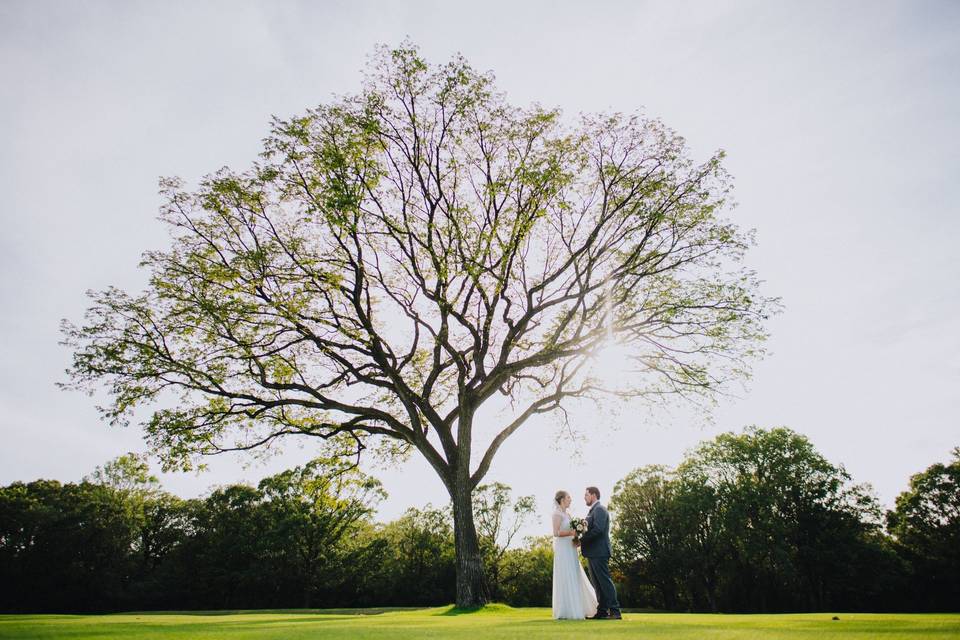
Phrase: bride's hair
(559, 497)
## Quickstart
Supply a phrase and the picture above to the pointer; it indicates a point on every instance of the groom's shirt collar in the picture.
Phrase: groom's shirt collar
(593, 505)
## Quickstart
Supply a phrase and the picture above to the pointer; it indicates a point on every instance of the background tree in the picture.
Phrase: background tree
(148, 510)
(63, 547)
(129, 473)
(498, 518)
(310, 510)
(226, 549)
(400, 256)
(756, 521)
(526, 573)
(416, 563)
(926, 525)
(649, 536)
(165, 526)
(792, 522)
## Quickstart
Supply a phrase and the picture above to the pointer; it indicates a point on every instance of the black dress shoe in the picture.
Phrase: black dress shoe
(600, 615)
(614, 615)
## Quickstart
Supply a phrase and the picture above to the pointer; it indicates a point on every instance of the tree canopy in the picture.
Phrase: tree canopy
(926, 524)
(397, 257)
(753, 521)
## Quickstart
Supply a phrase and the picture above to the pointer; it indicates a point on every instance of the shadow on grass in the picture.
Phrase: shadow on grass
(368, 611)
(490, 608)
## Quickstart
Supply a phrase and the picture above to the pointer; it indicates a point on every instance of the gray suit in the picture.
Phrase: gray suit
(595, 547)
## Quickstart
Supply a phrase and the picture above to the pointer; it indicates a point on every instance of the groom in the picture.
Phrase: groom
(595, 547)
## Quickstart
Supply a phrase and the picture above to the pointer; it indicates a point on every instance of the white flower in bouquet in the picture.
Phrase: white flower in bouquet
(579, 526)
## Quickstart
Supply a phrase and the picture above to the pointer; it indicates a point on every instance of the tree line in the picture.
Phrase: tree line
(302, 538)
(755, 521)
(760, 521)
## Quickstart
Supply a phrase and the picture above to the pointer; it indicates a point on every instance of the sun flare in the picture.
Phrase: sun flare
(612, 366)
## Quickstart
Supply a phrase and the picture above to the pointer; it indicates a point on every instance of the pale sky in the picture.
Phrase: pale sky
(841, 121)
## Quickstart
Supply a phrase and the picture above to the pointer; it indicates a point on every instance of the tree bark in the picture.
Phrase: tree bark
(471, 583)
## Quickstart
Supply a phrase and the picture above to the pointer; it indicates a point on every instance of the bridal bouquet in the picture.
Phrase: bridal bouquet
(579, 525)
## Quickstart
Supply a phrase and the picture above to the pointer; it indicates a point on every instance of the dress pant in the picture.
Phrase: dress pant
(603, 583)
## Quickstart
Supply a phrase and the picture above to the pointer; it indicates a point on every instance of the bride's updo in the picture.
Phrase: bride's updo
(558, 498)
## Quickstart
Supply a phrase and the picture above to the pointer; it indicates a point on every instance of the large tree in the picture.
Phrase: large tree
(399, 256)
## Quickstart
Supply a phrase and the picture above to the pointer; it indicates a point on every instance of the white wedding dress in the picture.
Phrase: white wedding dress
(573, 595)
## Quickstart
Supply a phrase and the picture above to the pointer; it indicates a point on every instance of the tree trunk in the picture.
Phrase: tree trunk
(471, 586)
(710, 589)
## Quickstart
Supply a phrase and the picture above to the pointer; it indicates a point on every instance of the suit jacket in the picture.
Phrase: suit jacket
(595, 542)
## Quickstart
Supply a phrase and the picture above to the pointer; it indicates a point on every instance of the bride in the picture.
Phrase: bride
(573, 595)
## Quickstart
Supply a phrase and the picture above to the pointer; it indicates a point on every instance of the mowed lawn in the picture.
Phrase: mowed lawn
(496, 621)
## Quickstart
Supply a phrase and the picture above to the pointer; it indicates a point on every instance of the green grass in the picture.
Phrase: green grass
(494, 621)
